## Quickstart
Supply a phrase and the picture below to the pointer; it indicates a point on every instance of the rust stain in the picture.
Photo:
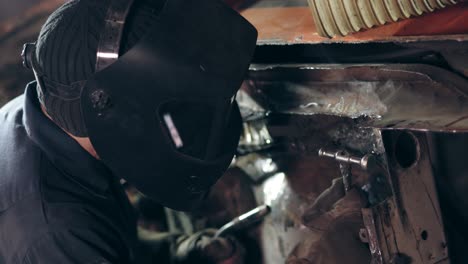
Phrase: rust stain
(295, 25)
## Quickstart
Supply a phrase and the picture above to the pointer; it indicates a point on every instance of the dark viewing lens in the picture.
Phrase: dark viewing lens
(189, 126)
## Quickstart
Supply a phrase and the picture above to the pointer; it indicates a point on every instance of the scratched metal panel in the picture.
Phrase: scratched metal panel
(384, 96)
(412, 222)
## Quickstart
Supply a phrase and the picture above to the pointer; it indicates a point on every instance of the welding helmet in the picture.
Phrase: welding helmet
(163, 116)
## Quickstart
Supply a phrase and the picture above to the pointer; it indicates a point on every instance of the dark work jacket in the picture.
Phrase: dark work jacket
(57, 203)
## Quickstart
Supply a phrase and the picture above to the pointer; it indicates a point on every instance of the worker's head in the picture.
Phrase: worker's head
(149, 87)
(66, 55)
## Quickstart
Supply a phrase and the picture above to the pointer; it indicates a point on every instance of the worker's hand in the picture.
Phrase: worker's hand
(203, 247)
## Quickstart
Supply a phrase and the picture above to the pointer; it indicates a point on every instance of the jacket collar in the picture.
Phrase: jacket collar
(62, 150)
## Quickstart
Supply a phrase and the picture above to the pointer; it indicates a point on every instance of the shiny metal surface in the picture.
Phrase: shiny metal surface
(109, 41)
(371, 235)
(282, 230)
(411, 223)
(257, 166)
(245, 220)
(348, 107)
(255, 136)
(344, 157)
(390, 96)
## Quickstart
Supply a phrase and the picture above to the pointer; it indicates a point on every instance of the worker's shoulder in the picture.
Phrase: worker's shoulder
(20, 205)
(18, 156)
(13, 109)
(37, 201)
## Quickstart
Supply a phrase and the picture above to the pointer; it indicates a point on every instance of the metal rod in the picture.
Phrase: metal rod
(244, 220)
(344, 157)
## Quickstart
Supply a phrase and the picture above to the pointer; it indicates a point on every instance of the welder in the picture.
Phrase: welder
(136, 91)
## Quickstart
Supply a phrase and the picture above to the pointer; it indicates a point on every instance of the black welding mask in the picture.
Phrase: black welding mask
(163, 116)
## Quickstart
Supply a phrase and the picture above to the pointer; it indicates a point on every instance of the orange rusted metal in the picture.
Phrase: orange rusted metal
(295, 25)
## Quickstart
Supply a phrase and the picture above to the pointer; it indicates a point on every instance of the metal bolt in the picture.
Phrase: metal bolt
(363, 235)
(365, 162)
(100, 100)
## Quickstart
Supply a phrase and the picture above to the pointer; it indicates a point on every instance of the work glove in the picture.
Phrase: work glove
(204, 247)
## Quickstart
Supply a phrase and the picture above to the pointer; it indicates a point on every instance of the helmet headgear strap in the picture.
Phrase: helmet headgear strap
(107, 53)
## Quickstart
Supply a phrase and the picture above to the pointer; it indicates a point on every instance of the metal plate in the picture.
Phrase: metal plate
(415, 97)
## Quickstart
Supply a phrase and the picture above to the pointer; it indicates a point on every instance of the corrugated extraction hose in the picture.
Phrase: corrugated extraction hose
(341, 17)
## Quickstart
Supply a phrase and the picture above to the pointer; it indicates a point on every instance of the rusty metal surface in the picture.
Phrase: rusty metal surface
(415, 219)
(281, 23)
(348, 16)
(283, 229)
(384, 96)
(374, 245)
(299, 176)
(286, 237)
(350, 107)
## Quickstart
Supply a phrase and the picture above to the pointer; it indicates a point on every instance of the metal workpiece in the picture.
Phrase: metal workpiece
(257, 166)
(295, 225)
(342, 17)
(371, 236)
(369, 163)
(109, 41)
(312, 107)
(245, 220)
(283, 229)
(345, 170)
(384, 96)
(365, 162)
(409, 225)
(250, 109)
(254, 137)
(344, 160)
